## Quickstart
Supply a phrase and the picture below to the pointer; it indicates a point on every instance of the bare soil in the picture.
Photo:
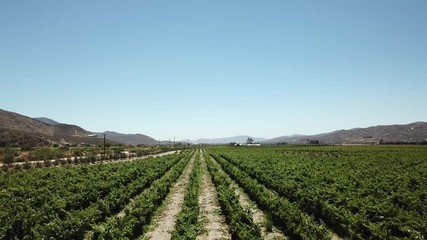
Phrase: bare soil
(214, 225)
(166, 219)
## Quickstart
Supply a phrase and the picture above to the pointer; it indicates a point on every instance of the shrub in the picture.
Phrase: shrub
(26, 148)
(48, 153)
(4, 168)
(268, 222)
(64, 148)
(39, 164)
(8, 158)
(17, 167)
(26, 165)
(47, 163)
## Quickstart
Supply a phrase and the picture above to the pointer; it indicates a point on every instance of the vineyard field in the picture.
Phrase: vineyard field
(372, 192)
(299, 192)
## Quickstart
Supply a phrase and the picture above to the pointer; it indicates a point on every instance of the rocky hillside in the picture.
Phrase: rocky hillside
(19, 130)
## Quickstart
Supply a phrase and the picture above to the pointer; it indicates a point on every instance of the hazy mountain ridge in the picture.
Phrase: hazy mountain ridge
(236, 139)
(412, 132)
(130, 139)
(47, 121)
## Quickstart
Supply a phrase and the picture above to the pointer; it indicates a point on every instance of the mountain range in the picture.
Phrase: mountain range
(413, 132)
(20, 130)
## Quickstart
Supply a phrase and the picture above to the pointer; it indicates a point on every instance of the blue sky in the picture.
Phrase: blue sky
(194, 69)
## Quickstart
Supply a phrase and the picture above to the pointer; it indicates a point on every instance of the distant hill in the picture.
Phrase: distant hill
(236, 139)
(130, 139)
(18, 130)
(286, 139)
(17, 122)
(413, 132)
(47, 121)
(13, 138)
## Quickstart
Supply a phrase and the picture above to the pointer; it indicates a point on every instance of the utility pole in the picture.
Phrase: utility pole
(188, 143)
(173, 142)
(169, 142)
(159, 142)
(104, 144)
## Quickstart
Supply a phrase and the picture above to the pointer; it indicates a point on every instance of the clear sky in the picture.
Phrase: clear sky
(194, 69)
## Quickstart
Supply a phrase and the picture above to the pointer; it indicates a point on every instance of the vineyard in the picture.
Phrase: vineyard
(288, 192)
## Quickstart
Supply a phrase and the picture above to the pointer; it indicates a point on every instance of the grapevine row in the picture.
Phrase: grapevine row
(187, 226)
(239, 219)
(75, 225)
(361, 192)
(335, 218)
(34, 201)
(286, 215)
(132, 224)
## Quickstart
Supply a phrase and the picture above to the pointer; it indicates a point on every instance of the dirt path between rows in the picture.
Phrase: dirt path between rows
(122, 213)
(214, 223)
(130, 204)
(259, 217)
(165, 221)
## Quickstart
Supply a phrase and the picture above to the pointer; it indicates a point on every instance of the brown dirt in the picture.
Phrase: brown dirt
(215, 225)
(165, 221)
